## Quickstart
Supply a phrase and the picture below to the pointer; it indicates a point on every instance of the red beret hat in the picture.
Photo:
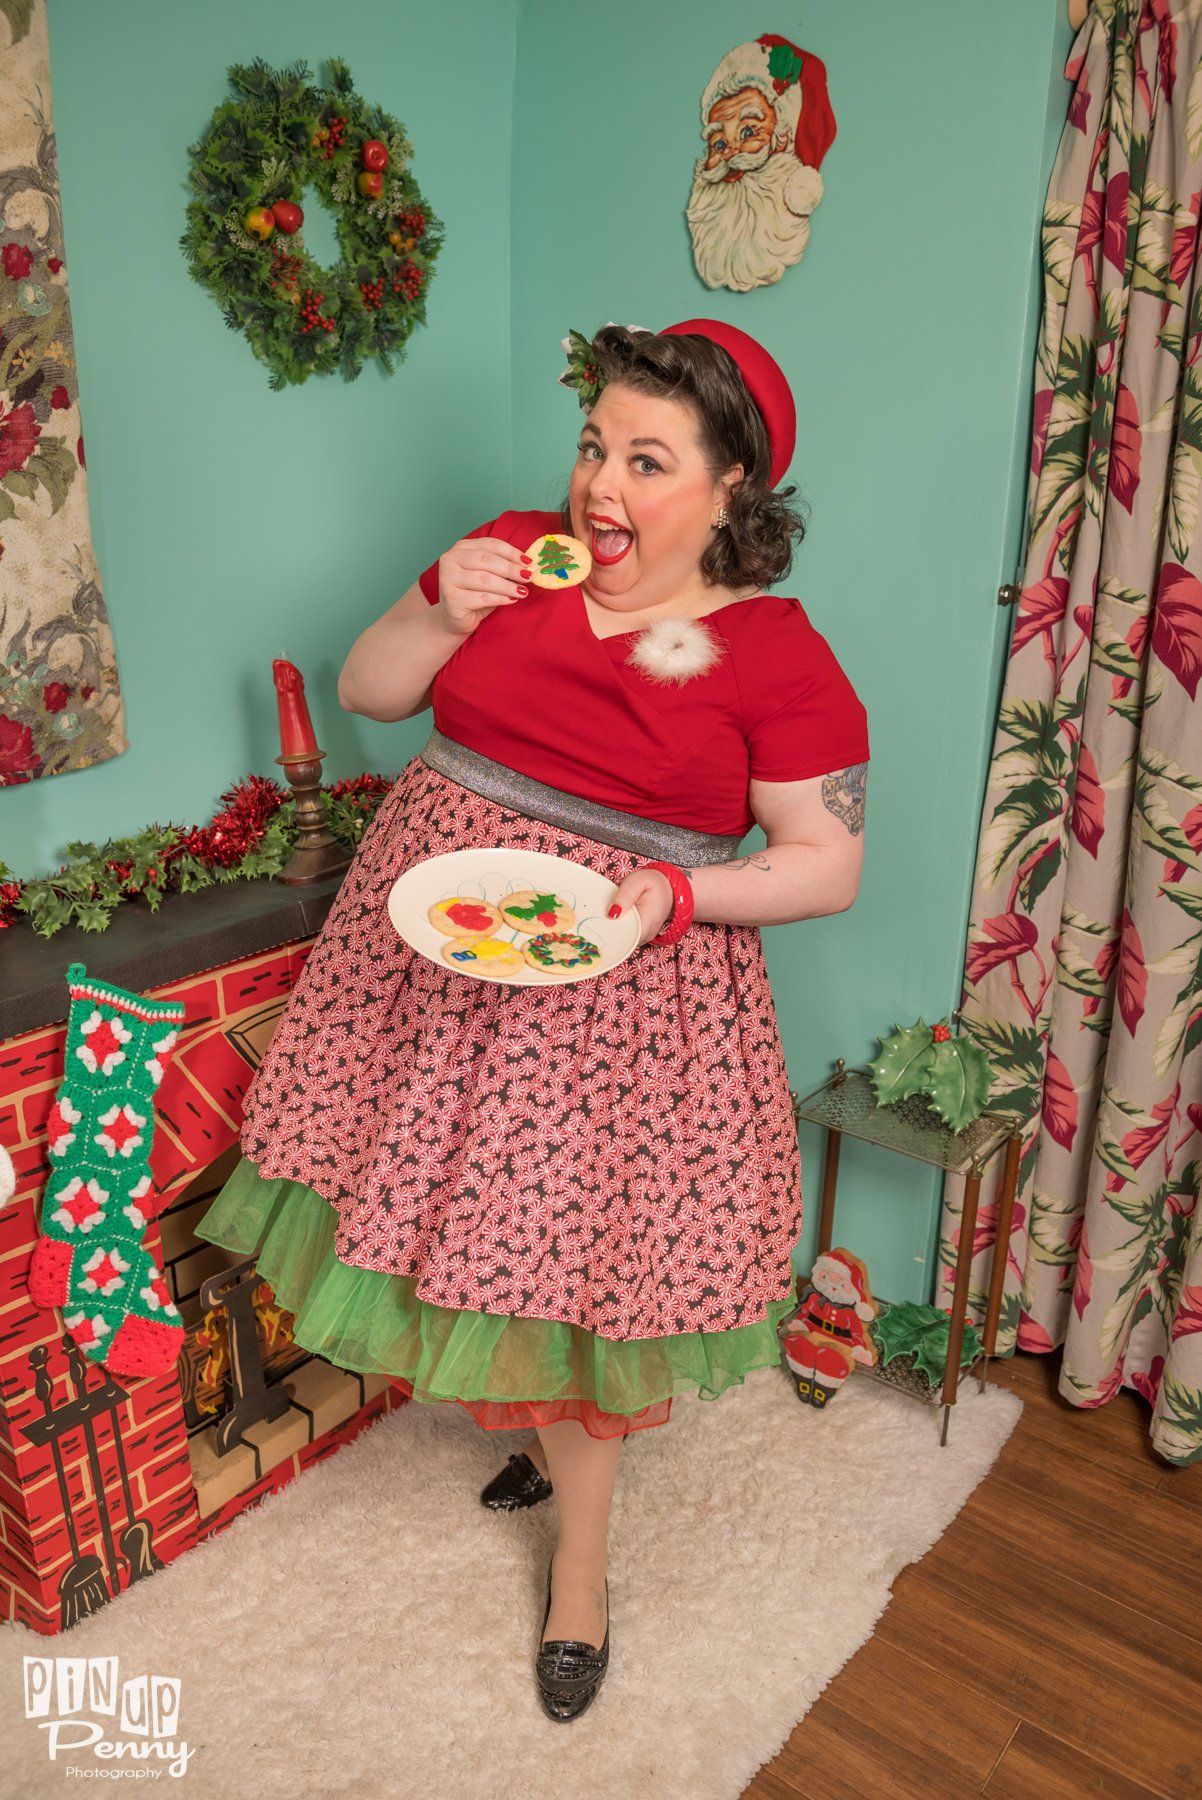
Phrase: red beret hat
(764, 379)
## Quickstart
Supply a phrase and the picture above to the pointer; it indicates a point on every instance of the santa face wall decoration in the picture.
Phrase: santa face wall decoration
(767, 124)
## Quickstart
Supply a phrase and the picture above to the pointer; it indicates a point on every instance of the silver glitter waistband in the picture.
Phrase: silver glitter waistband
(554, 806)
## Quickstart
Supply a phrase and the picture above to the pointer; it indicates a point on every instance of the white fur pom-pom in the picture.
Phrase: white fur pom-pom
(803, 190)
(674, 650)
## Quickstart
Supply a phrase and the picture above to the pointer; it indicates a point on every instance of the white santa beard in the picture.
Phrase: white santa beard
(744, 234)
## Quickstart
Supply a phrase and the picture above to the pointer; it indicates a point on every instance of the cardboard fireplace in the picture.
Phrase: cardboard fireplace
(104, 1479)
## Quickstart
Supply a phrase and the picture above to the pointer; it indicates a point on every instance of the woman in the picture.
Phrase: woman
(559, 1207)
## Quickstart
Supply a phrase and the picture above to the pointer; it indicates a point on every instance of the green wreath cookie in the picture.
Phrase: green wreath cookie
(245, 240)
(561, 950)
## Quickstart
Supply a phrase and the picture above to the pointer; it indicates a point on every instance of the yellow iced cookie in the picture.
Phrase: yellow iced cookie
(559, 561)
(496, 955)
(536, 909)
(462, 917)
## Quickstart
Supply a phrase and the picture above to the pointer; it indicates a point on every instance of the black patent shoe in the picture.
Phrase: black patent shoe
(520, 1483)
(569, 1672)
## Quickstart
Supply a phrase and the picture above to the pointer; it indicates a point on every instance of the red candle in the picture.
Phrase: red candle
(297, 737)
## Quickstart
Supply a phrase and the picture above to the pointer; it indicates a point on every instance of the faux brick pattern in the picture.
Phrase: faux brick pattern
(230, 1014)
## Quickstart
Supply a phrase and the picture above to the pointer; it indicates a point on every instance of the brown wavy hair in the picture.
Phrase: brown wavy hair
(756, 548)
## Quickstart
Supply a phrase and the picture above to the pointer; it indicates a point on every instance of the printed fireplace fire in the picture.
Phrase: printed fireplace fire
(105, 1479)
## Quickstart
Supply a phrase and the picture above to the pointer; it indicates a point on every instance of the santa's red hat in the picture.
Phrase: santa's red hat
(865, 1308)
(816, 126)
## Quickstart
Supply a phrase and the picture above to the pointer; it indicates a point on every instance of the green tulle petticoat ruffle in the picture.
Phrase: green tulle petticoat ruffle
(508, 1372)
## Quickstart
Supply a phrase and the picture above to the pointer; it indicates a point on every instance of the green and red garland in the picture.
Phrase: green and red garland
(251, 836)
(245, 237)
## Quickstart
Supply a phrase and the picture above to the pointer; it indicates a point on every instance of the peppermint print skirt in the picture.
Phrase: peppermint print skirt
(543, 1203)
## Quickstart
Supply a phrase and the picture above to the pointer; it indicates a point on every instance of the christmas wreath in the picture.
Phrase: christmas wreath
(245, 240)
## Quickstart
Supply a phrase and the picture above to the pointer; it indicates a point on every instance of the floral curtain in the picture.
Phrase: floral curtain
(60, 703)
(1083, 975)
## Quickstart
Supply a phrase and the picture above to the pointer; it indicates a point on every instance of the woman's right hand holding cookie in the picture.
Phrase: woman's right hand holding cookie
(475, 576)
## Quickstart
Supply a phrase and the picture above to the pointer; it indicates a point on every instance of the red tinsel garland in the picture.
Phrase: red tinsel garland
(247, 809)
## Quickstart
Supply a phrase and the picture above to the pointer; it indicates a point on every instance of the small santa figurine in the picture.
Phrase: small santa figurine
(767, 124)
(828, 1334)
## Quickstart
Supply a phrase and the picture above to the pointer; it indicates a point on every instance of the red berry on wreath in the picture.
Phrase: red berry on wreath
(408, 280)
(374, 154)
(940, 1033)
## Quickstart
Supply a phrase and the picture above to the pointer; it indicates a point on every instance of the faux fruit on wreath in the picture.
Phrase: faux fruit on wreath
(245, 237)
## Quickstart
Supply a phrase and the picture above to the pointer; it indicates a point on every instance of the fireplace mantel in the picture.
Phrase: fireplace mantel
(142, 950)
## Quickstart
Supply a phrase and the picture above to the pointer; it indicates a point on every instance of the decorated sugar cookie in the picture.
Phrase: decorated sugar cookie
(559, 561)
(558, 951)
(534, 909)
(498, 955)
(461, 916)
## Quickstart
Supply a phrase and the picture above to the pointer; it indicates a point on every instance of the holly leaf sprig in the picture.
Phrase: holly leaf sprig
(954, 1073)
(908, 1328)
(582, 372)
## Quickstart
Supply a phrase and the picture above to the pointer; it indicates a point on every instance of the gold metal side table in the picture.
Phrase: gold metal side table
(846, 1105)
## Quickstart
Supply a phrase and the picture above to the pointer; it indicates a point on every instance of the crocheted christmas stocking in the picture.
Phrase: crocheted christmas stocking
(91, 1259)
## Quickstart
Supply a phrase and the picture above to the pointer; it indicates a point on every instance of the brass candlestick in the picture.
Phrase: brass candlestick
(317, 852)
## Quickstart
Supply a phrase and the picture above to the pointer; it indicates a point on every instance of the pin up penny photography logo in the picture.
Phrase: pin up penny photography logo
(136, 1721)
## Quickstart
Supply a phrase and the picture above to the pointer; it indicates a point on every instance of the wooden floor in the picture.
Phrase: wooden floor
(1050, 1645)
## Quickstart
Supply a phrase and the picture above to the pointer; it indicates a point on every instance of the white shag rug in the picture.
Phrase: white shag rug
(371, 1629)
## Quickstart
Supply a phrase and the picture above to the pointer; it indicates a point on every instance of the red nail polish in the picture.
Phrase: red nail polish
(615, 912)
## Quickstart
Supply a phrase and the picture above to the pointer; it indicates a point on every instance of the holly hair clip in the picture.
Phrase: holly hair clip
(582, 372)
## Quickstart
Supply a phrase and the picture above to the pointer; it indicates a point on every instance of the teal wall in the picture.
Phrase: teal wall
(907, 332)
(232, 523)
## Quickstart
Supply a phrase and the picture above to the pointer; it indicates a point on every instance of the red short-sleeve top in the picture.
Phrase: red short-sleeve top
(535, 688)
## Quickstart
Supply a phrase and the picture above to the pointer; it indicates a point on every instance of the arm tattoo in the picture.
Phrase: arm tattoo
(755, 859)
(843, 795)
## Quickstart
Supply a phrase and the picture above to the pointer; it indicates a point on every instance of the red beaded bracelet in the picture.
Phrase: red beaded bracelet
(682, 903)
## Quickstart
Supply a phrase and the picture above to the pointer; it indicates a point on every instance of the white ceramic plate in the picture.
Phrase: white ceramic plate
(493, 874)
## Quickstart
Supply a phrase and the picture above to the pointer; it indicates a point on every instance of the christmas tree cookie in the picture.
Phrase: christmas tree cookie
(558, 561)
